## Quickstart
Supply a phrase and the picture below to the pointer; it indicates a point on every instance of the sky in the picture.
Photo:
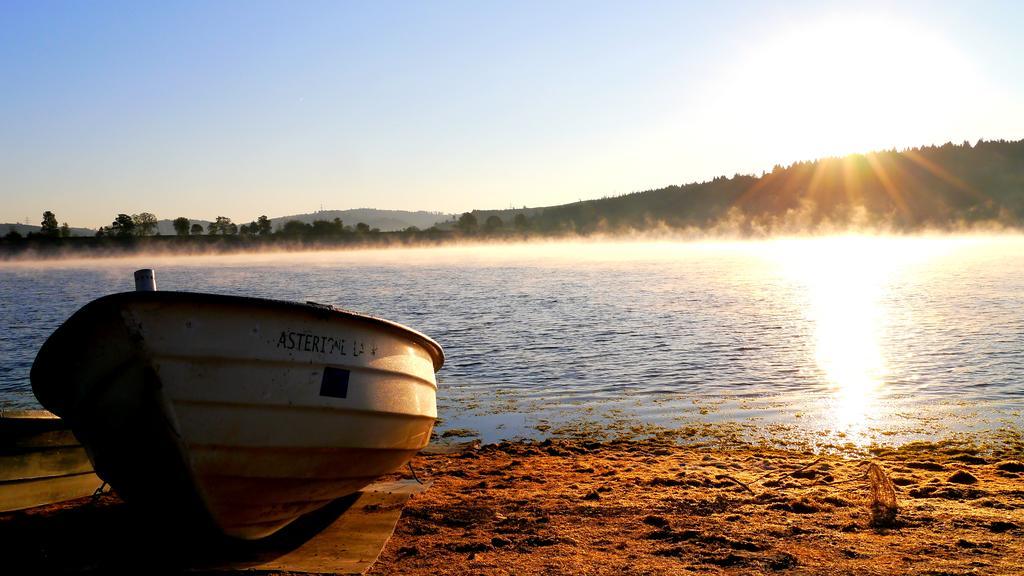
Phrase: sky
(200, 109)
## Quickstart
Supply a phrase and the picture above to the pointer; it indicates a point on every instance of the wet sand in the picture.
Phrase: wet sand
(655, 507)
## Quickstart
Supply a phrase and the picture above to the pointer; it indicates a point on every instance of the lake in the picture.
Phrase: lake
(846, 339)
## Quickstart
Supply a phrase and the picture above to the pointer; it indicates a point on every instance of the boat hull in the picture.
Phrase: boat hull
(245, 413)
(41, 462)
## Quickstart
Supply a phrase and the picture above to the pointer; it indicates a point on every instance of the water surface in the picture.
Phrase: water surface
(843, 339)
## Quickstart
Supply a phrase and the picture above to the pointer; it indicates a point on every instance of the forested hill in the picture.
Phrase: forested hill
(932, 187)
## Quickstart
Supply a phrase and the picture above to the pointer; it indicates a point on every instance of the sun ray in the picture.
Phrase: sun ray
(891, 189)
(814, 186)
(943, 174)
(851, 181)
(744, 198)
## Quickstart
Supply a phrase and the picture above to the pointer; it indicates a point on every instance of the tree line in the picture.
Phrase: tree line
(48, 229)
(468, 223)
(146, 224)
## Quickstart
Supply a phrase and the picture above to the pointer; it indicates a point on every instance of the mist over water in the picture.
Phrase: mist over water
(847, 338)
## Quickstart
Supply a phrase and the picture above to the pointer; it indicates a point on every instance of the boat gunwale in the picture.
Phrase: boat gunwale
(23, 481)
(314, 309)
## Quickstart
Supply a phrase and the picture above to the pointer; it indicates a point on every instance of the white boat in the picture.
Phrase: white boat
(40, 461)
(241, 411)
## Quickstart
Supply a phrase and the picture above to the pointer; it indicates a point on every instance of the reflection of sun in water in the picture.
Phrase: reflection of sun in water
(845, 308)
(846, 279)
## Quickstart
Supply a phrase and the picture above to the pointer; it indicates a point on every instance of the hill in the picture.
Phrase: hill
(930, 187)
(386, 220)
(24, 229)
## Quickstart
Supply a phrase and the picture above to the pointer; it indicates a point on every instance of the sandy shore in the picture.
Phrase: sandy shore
(634, 507)
(655, 507)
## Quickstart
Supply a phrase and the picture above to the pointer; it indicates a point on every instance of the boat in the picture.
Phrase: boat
(41, 462)
(243, 413)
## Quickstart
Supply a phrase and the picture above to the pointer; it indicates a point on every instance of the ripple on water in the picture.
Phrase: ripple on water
(851, 337)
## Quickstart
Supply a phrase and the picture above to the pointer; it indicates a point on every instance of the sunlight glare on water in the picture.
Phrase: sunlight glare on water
(846, 280)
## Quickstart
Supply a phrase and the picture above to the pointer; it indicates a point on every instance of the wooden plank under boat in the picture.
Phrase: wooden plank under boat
(41, 462)
(241, 411)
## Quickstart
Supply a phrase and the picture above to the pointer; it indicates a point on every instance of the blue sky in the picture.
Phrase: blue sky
(200, 109)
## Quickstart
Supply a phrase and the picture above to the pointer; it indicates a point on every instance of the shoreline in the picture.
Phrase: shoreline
(42, 250)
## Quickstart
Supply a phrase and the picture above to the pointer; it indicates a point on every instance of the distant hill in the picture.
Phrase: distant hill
(24, 229)
(930, 187)
(386, 220)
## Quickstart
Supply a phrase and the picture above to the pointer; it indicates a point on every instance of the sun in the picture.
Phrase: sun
(847, 83)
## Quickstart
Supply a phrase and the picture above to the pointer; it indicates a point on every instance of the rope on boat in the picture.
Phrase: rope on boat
(413, 471)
